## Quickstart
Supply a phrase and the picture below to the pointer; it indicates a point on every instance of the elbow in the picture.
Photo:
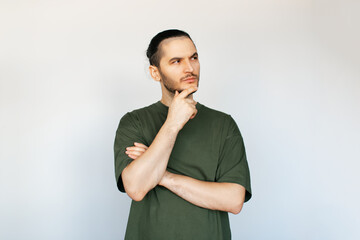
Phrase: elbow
(134, 193)
(239, 199)
(131, 190)
(237, 208)
(136, 196)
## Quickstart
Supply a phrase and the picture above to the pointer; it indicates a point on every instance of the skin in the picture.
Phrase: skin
(179, 61)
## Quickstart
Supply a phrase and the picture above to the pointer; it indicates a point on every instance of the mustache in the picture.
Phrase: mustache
(189, 76)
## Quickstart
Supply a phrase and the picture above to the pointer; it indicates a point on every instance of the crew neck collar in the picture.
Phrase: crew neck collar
(165, 108)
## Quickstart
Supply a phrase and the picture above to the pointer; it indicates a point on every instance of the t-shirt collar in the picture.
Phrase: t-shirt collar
(165, 108)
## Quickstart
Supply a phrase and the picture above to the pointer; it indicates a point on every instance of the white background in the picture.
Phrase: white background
(287, 71)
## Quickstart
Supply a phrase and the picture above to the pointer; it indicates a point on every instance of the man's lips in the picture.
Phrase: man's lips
(190, 79)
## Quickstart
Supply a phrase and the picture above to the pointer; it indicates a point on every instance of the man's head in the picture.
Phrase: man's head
(173, 60)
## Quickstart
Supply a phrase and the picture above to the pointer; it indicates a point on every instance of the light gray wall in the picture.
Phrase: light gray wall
(287, 71)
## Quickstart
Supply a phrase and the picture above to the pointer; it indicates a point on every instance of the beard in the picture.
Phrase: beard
(169, 84)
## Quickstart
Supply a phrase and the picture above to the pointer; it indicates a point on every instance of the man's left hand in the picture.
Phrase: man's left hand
(136, 151)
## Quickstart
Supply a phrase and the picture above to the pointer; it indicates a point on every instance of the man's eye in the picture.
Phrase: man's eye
(176, 61)
(195, 57)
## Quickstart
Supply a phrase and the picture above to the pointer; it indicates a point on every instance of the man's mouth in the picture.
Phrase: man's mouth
(190, 79)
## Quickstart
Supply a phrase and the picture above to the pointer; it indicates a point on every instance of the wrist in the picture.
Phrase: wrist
(165, 181)
(171, 127)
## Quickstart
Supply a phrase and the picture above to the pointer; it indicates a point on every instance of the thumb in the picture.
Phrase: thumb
(176, 93)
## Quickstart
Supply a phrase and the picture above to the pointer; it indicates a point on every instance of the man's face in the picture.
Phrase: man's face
(179, 64)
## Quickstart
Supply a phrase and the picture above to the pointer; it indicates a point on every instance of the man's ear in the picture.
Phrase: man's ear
(154, 72)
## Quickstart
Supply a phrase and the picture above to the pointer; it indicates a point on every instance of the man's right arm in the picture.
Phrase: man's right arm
(146, 171)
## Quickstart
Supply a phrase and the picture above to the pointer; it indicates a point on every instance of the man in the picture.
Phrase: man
(183, 164)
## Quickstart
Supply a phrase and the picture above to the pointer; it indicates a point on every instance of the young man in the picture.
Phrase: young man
(183, 164)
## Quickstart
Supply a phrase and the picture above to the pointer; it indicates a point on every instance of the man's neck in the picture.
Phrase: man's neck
(167, 97)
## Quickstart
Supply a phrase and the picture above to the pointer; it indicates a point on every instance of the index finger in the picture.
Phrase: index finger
(140, 145)
(187, 92)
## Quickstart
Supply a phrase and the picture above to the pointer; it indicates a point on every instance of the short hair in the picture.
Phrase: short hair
(153, 52)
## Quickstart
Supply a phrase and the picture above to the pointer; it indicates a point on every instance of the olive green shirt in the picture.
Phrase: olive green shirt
(209, 148)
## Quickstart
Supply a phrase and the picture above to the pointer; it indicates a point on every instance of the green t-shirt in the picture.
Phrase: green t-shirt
(209, 148)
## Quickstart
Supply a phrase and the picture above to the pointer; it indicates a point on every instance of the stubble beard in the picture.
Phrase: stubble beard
(170, 87)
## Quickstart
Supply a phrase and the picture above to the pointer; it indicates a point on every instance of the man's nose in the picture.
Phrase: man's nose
(188, 67)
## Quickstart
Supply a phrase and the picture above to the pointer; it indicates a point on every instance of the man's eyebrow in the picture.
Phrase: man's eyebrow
(195, 54)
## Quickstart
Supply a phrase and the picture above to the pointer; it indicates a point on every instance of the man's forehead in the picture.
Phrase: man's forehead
(179, 46)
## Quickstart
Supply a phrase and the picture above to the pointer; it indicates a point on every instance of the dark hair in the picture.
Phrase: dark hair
(153, 52)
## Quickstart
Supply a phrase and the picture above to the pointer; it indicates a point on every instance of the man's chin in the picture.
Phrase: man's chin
(180, 90)
(189, 94)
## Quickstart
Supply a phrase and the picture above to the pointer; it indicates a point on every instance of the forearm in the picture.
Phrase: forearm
(227, 197)
(145, 172)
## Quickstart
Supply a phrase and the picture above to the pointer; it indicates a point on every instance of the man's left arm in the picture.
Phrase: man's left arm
(223, 196)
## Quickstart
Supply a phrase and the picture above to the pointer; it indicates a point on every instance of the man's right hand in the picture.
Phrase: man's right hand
(181, 108)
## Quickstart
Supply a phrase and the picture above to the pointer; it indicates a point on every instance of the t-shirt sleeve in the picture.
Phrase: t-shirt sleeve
(233, 166)
(128, 132)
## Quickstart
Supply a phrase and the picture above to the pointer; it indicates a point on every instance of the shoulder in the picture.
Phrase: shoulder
(147, 108)
(136, 114)
(132, 119)
(223, 119)
(216, 114)
(213, 113)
